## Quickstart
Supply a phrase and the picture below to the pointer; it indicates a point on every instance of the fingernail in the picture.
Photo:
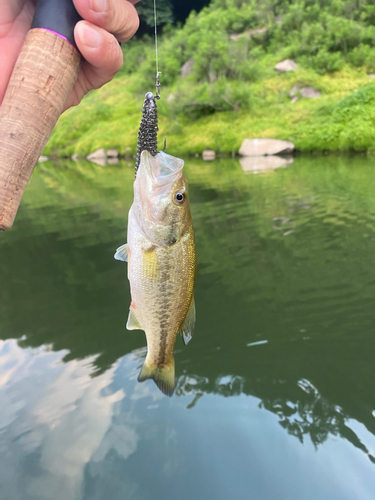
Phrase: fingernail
(91, 37)
(98, 5)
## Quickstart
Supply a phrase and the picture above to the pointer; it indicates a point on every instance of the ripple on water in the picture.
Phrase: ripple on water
(279, 375)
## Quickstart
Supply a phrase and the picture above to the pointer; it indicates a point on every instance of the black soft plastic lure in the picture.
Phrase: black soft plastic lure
(148, 131)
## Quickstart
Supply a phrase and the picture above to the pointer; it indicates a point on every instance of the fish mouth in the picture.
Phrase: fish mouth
(162, 170)
(156, 182)
(156, 177)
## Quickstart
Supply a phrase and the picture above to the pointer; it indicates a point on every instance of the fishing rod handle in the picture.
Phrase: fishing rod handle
(43, 77)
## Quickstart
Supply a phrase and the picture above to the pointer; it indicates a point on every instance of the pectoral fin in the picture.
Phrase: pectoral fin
(122, 253)
(187, 328)
(164, 377)
(133, 323)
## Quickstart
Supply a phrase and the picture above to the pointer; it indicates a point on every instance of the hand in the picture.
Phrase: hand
(105, 22)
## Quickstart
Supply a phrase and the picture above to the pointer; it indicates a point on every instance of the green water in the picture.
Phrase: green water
(275, 397)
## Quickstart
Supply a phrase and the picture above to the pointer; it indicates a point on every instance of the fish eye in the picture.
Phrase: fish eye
(179, 197)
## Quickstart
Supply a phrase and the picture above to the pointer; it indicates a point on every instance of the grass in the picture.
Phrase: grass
(342, 119)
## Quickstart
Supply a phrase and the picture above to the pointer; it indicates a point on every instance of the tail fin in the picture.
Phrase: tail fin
(163, 377)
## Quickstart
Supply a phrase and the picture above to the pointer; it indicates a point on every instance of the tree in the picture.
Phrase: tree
(164, 12)
(168, 11)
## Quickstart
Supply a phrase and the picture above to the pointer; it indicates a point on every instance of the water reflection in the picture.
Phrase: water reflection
(308, 416)
(282, 358)
(257, 164)
(72, 436)
(48, 420)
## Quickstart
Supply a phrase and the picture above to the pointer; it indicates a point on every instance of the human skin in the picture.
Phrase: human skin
(105, 22)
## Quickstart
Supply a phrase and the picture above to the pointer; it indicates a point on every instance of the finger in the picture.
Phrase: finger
(15, 21)
(134, 1)
(103, 58)
(100, 50)
(116, 16)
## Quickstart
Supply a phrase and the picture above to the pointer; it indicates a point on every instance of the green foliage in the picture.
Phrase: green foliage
(146, 12)
(219, 115)
(233, 91)
(203, 99)
(241, 40)
(346, 125)
(135, 53)
(325, 34)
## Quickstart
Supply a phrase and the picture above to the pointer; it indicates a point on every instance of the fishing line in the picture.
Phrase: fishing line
(157, 85)
(148, 130)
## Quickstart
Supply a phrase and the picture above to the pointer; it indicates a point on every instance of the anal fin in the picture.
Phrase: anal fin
(188, 326)
(133, 322)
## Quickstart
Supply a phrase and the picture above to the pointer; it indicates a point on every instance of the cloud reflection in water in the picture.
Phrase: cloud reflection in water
(57, 415)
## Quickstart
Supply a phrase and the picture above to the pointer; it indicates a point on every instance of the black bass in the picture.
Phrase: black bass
(162, 264)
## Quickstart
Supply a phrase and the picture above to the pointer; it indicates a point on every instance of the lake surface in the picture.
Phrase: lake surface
(275, 397)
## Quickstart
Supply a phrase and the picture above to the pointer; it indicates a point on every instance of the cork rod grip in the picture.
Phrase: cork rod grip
(42, 79)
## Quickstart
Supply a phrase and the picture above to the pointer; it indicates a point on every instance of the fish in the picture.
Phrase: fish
(162, 264)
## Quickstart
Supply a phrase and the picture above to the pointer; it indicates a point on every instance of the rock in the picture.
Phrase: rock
(74, 157)
(113, 161)
(112, 153)
(256, 31)
(99, 154)
(294, 90)
(287, 65)
(43, 159)
(295, 99)
(248, 33)
(208, 155)
(265, 147)
(98, 157)
(99, 161)
(308, 92)
(258, 164)
(187, 68)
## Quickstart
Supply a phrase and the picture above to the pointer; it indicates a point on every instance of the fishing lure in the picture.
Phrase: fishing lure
(148, 130)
